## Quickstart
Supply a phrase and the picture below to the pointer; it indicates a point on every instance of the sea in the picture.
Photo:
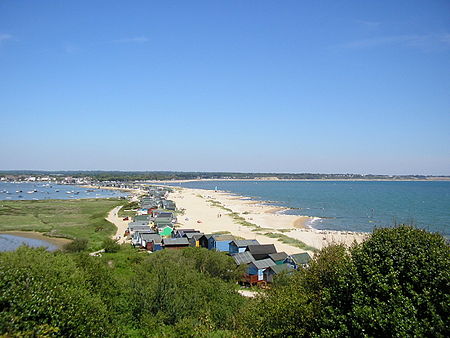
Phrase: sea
(44, 191)
(350, 205)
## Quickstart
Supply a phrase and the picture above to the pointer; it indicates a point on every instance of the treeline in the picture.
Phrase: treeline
(125, 176)
(396, 284)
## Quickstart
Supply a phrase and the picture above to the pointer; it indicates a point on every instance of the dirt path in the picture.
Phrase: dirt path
(121, 225)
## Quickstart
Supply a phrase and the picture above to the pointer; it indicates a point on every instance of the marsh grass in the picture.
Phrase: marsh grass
(83, 218)
(290, 241)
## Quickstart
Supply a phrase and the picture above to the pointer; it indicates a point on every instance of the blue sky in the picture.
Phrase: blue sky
(250, 86)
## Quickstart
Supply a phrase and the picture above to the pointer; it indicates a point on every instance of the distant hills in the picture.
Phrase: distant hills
(180, 175)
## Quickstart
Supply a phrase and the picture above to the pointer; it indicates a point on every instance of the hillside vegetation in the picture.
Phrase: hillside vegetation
(396, 284)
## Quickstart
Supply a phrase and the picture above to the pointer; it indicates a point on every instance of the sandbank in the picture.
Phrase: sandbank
(216, 211)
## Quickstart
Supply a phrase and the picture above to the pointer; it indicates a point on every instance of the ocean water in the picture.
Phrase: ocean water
(351, 205)
(12, 242)
(42, 191)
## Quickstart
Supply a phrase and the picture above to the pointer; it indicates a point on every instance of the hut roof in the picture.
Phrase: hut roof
(151, 237)
(301, 258)
(242, 243)
(263, 263)
(278, 256)
(243, 258)
(175, 241)
(223, 237)
(195, 235)
(262, 249)
(276, 269)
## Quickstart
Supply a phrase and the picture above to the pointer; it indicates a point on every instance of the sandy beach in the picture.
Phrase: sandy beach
(212, 212)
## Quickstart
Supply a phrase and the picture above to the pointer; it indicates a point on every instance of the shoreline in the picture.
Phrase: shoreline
(216, 211)
(57, 241)
(297, 180)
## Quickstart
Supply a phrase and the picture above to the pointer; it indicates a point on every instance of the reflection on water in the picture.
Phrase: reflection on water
(12, 242)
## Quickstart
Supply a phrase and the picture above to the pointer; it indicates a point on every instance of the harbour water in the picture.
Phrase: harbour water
(42, 191)
(351, 205)
(12, 242)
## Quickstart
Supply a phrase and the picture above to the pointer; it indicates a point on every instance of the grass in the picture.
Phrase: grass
(242, 221)
(124, 261)
(221, 233)
(284, 230)
(290, 241)
(261, 229)
(83, 218)
(235, 216)
(128, 209)
(219, 205)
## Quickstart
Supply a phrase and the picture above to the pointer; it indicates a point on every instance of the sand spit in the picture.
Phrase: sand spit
(217, 211)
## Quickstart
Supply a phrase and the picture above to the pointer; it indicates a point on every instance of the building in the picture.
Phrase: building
(243, 258)
(275, 270)
(261, 251)
(204, 240)
(193, 238)
(278, 257)
(151, 242)
(175, 243)
(299, 260)
(239, 245)
(255, 270)
(220, 242)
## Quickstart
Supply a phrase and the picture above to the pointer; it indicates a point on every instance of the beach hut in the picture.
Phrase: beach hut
(274, 270)
(138, 223)
(299, 260)
(168, 205)
(193, 238)
(178, 233)
(204, 240)
(255, 270)
(136, 238)
(220, 242)
(141, 218)
(151, 242)
(165, 229)
(238, 245)
(278, 257)
(261, 251)
(175, 243)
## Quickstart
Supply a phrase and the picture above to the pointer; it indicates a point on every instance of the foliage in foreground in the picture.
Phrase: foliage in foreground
(395, 284)
(189, 291)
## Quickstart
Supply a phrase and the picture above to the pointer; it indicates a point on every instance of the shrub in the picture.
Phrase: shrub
(77, 245)
(111, 245)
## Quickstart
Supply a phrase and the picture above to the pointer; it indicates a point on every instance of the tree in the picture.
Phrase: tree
(403, 284)
(45, 294)
(396, 283)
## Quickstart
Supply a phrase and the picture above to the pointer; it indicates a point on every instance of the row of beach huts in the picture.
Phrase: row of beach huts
(154, 228)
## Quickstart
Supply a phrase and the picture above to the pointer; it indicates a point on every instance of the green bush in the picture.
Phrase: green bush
(45, 294)
(77, 245)
(396, 283)
(111, 245)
